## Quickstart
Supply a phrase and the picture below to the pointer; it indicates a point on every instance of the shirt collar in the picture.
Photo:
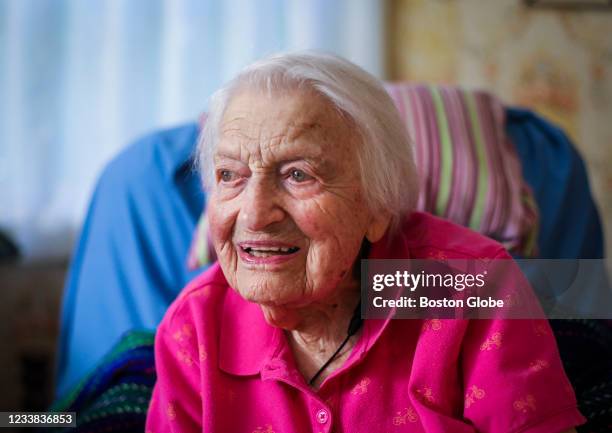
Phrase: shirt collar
(247, 341)
(389, 247)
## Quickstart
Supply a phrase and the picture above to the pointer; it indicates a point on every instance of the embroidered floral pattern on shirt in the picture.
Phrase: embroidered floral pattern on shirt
(171, 412)
(538, 365)
(433, 324)
(540, 329)
(474, 393)
(184, 333)
(268, 429)
(426, 394)
(438, 255)
(493, 342)
(511, 300)
(407, 414)
(361, 387)
(183, 355)
(204, 291)
(202, 353)
(525, 404)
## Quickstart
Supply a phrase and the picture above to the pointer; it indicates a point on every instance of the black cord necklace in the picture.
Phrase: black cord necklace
(354, 326)
(356, 320)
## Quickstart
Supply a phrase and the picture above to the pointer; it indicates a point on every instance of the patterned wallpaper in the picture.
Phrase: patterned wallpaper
(556, 62)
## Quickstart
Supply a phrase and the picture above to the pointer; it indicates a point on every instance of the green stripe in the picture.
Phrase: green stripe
(483, 168)
(446, 153)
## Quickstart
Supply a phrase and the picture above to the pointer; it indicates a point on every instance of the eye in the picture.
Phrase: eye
(226, 175)
(298, 175)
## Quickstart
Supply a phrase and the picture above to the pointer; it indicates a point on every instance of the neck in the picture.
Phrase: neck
(315, 332)
(323, 327)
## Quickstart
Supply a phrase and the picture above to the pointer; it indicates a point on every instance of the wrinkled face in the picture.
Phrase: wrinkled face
(287, 215)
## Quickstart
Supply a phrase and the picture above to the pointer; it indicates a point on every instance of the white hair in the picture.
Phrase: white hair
(385, 152)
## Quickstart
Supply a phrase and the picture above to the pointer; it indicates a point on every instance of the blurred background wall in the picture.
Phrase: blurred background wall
(80, 80)
(557, 61)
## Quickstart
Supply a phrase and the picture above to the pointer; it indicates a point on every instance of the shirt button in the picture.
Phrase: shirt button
(322, 416)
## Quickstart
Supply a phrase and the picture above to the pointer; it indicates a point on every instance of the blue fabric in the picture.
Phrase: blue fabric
(130, 261)
(569, 222)
(569, 228)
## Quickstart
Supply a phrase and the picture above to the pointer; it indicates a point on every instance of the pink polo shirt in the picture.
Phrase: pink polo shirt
(222, 368)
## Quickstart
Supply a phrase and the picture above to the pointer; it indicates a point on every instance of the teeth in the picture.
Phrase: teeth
(260, 252)
(257, 253)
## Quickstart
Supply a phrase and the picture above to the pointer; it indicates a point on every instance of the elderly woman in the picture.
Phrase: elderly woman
(309, 169)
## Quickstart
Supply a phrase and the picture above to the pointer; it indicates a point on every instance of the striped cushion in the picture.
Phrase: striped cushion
(468, 168)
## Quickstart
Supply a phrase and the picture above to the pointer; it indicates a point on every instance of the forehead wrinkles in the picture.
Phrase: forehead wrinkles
(259, 132)
(259, 146)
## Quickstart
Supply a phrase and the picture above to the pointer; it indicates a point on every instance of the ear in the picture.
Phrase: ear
(379, 223)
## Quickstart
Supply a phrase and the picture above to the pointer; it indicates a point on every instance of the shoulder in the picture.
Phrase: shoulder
(427, 235)
(203, 298)
(209, 320)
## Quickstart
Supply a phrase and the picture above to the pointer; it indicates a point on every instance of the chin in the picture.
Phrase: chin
(275, 296)
(280, 317)
(265, 287)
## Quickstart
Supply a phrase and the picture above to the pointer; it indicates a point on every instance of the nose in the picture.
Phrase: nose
(261, 207)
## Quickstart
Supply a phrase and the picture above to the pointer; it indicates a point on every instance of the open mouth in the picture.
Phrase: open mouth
(269, 251)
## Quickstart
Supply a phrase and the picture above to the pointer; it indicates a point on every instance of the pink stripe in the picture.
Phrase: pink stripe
(495, 195)
(462, 190)
(432, 139)
(422, 150)
(401, 98)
